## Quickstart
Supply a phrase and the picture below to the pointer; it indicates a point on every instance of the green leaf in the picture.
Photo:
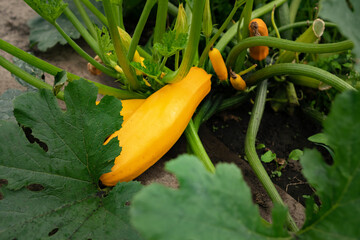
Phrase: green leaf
(60, 80)
(29, 69)
(53, 189)
(337, 185)
(150, 68)
(268, 156)
(295, 154)
(45, 35)
(6, 103)
(321, 140)
(170, 43)
(346, 14)
(260, 146)
(206, 206)
(48, 9)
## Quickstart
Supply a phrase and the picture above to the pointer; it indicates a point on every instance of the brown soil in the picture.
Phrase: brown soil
(223, 136)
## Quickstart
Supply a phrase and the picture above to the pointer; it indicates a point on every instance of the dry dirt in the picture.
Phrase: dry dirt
(14, 15)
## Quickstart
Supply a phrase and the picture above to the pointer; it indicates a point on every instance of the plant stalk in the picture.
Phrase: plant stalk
(95, 11)
(286, 45)
(27, 77)
(53, 70)
(89, 38)
(197, 146)
(160, 24)
(192, 45)
(251, 153)
(299, 69)
(86, 19)
(82, 53)
(139, 28)
(119, 47)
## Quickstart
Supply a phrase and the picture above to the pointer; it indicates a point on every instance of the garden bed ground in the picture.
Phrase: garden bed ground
(223, 135)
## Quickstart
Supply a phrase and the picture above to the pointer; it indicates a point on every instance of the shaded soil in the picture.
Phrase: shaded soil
(280, 133)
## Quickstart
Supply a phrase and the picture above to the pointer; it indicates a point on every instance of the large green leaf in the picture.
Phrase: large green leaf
(45, 35)
(206, 206)
(53, 190)
(337, 185)
(6, 103)
(346, 14)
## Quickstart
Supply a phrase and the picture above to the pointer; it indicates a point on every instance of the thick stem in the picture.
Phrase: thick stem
(82, 53)
(95, 11)
(86, 18)
(51, 69)
(197, 147)
(299, 69)
(82, 30)
(161, 15)
(139, 28)
(287, 45)
(192, 45)
(251, 153)
(299, 24)
(119, 48)
(218, 33)
(27, 77)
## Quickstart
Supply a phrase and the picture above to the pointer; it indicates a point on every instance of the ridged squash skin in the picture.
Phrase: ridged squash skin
(218, 64)
(156, 125)
(259, 52)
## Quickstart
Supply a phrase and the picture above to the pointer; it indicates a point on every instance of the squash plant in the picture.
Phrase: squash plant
(76, 181)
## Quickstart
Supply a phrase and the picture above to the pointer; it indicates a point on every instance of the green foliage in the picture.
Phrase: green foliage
(150, 68)
(295, 154)
(45, 35)
(6, 103)
(170, 43)
(267, 157)
(60, 80)
(48, 9)
(337, 185)
(52, 190)
(29, 69)
(346, 14)
(206, 206)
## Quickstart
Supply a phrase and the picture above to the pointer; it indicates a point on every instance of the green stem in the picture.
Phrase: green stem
(177, 57)
(245, 18)
(234, 101)
(119, 48)
(197, 147)
(294, 7)
(273, 23)
(139, 28)
(121, 17)
(172, 9)
(27, 77)
(51, 69)
(192, 45)
(287, 45)
(95, 11)
(252, 156)
(300, 24)
(82, 53)
(231, 32)
(163, 63)
(82, 30)
(86, 19)
(299, 69)
(219, 32)
(160, 24)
